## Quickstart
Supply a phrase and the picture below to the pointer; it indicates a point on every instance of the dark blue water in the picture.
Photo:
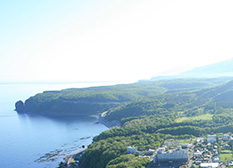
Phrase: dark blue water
(30, 141)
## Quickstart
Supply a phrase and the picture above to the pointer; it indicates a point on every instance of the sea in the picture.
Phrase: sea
(38, 141)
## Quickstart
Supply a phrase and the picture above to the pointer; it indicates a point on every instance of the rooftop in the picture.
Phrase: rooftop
(212, 165)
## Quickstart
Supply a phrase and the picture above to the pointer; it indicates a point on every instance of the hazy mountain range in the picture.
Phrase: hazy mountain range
(220, 69)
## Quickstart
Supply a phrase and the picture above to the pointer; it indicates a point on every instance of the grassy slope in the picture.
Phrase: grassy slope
(200, 117)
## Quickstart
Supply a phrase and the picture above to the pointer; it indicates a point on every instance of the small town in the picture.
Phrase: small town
(204, 152)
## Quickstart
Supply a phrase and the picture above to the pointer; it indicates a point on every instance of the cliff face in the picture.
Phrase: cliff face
(63, 108)
(95, 100)
(85, 101)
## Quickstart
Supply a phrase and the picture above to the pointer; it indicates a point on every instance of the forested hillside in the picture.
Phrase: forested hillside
(146, 123)
(149, 113)
(95, 100)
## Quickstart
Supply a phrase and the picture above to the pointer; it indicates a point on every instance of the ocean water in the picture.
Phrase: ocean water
(37, 141)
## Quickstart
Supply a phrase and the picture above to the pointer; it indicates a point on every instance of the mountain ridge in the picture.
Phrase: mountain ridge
(219, 69)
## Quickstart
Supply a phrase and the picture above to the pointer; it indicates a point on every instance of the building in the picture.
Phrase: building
(200, 140)
(138, 153)
(149, 152)
(216, 159)
(226, 146)
(230, 163)
(131, 149)
(161, 150)
(226, 137)
(209, 165)
(197, 154)
(212, 139)
(178, 155)
(185, 146)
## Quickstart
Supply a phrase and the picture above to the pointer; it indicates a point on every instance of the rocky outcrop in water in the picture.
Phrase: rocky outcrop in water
(20, 107)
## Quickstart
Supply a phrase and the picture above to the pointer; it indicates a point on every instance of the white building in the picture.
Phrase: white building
(171, 156)
(212, 139)
(209, 165)
(197, 154)
(230, 163)
(200, 140)
(216, 159)
(131, 149)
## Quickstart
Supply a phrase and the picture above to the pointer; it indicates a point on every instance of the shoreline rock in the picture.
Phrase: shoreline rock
(20, 107)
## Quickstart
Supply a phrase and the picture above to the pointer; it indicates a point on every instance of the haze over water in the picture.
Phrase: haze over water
(25, 140)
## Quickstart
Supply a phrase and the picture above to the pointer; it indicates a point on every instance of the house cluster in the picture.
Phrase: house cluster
(210, 152)
(206, 152)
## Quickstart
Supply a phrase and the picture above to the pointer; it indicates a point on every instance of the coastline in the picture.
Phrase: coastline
(69, 158)
(73, 159)
(109, 124)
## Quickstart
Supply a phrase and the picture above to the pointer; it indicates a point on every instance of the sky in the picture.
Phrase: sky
(111, 40)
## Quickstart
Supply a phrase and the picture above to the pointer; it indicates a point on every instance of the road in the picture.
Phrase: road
(69, 161)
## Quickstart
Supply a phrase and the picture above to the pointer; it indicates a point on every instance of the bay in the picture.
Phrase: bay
(37, 141)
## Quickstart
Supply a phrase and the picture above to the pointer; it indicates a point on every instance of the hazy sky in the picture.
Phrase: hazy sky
(110, 40)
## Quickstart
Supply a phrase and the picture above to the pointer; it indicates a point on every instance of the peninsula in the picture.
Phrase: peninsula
(150, 113)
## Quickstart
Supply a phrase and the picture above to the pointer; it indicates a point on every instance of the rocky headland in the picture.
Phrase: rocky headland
(20, 107)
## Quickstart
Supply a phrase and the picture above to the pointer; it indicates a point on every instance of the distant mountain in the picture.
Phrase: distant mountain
(220, 69)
